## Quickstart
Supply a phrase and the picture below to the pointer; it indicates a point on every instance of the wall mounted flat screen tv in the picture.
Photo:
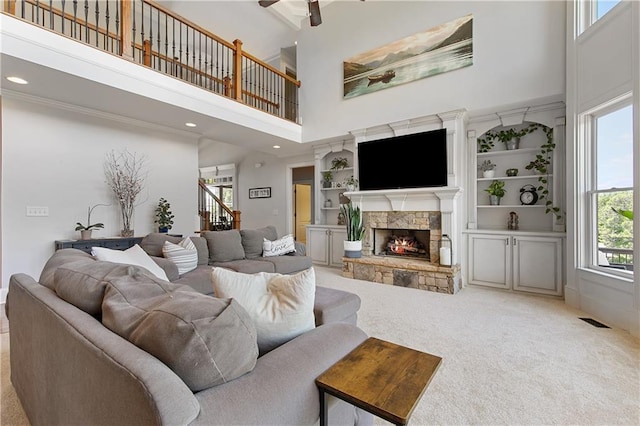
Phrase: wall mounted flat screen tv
(418, 160)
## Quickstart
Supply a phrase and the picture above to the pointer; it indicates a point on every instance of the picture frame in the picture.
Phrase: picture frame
(264, 192)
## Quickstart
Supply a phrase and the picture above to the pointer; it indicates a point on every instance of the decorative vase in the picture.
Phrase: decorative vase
(512, 172)
(126, 233)
(328, 203)
(326, 184)
(488, 173)
(85, 234)
(494, 200)
(353, 249)
(513, 144)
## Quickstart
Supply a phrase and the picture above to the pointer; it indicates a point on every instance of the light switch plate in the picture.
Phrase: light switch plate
(37, 211)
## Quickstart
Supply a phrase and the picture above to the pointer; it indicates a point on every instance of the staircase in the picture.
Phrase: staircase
(214, 214)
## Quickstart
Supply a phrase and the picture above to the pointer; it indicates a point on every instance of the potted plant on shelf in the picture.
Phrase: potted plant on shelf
(326, 179)
(355, 230)
(164, 217)
(339, 163)
(510, 137)
(351, 183)
(488, 168)
(496, 192)
(85, 231)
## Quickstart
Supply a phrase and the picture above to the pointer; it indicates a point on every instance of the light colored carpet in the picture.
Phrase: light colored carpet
(508, 359)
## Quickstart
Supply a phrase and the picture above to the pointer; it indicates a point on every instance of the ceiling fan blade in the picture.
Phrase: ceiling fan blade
(314, 13)
(267, 3)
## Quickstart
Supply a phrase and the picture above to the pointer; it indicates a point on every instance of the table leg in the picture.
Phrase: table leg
(324, 408)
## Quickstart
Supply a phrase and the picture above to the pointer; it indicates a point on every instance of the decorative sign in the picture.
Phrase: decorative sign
(447, 47)
(260, 192)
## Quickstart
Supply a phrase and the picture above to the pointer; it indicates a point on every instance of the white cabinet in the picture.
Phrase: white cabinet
(325, 244)
(516, 261)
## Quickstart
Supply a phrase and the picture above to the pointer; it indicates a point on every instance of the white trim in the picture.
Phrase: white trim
(289, 193)
(3, 295)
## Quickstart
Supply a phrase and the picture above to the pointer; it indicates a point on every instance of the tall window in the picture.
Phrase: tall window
(603, 6)
(611, 189)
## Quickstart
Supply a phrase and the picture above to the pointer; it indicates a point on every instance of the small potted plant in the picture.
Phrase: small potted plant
(339, 163)
(355, 230)
(85, 231)
(496, 192)
(488, 168)
(351, 183)
(164, 217)
(326, 179)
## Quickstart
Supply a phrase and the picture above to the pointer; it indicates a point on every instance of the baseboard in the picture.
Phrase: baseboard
(3, 295)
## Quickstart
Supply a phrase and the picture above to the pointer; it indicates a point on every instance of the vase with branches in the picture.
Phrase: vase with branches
(126, 175)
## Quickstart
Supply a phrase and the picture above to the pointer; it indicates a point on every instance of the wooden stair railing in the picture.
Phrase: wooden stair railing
(214, 214)
(149, 34)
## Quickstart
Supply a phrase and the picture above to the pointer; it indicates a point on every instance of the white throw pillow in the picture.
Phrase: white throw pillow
(278, 247)
(132, 256)
(184, 255)
(281, 306)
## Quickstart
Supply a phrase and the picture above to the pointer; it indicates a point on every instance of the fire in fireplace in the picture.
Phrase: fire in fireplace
(405, 242)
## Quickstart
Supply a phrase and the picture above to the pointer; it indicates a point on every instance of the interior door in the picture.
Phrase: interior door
(302, 210)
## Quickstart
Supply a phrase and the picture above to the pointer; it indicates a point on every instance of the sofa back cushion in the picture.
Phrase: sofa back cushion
(224, 246)
(82, 283)
(153, 243)
(59, 258)
(206, 341)
(252, 240)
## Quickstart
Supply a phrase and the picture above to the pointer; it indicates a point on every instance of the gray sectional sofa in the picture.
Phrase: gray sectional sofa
(68, 367)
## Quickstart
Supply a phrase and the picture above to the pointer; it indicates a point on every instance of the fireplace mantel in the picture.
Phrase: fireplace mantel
(409, 199)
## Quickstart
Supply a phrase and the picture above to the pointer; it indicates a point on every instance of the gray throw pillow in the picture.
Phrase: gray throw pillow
(252, 240)
(82, 283)
(206, 341)
(224, 246)
(203, 250)
(153, 242)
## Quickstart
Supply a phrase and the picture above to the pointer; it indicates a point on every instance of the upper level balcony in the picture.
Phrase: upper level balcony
(152, 60)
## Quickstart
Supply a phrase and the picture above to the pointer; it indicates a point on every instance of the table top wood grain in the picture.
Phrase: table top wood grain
(381, 377)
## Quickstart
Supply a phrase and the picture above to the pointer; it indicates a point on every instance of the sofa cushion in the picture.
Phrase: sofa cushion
(252, 240)
(203, 250)
(333, 305)
(288, 264)
(82, 283)
(247, 266)
(199, 279)
(224, 246)
(152, 243)
(281, 306)
(134, 255)
(61, 257)
(205, 340)
(184, 255)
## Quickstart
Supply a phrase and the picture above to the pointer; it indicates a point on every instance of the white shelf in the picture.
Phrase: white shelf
(513, 177)
(511, 206)
(330, 208)
(334, 189)
(507, 152)
(346, 169)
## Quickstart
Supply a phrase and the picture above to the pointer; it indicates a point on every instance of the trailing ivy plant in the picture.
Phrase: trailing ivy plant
(487, 142)
(542, 165)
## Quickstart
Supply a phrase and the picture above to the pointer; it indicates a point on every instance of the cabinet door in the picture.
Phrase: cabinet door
(537, 265)
(318, 245)
(490, 260)
(337, 247)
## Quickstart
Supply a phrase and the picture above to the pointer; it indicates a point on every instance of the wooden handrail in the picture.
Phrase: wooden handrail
(70, 17)
(215, 197)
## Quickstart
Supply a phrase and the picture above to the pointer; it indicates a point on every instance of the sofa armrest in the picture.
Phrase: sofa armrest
(301, 248)
(167, 266)
(281, 388)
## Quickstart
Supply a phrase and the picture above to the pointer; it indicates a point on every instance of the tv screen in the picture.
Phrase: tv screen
(418, 160)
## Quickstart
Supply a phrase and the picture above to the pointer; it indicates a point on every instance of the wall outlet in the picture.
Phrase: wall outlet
(37, 211)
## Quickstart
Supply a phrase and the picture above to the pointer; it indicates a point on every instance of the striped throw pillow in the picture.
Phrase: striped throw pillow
(184, 255)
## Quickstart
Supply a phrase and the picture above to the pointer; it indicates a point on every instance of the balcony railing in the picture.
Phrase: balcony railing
(618, 258)
(151, 35)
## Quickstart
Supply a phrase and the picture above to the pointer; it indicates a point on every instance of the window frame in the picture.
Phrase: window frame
(591, 191)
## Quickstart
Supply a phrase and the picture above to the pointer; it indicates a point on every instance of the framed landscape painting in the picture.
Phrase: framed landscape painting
(444, 48)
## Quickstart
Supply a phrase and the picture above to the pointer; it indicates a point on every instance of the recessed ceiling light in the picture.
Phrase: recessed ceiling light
(17, 80)
(276, 146)
(190, 124)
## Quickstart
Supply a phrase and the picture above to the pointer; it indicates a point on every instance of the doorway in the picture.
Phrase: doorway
(301, 201)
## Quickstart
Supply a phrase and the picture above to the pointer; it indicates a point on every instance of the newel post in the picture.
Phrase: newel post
(237, 69)
(10, 6)
(126, 30)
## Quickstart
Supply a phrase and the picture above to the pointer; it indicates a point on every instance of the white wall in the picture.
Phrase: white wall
(519, 54)
(54, 157)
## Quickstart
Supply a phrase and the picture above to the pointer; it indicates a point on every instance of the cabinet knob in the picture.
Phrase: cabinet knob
(515, 241)
(507, 241)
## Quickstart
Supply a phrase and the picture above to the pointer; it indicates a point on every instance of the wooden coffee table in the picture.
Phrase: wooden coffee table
(380, 377)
